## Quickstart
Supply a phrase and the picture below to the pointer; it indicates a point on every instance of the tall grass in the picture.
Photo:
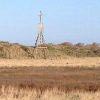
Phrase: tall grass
(11, 93)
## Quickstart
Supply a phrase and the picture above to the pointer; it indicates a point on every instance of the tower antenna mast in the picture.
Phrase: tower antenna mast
(40, 38)
(40, 47)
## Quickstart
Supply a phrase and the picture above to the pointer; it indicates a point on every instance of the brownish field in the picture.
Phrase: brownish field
(63, 78)
(69, 61)
(50, 79)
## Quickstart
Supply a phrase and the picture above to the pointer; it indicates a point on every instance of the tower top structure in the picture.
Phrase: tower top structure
(41, 17)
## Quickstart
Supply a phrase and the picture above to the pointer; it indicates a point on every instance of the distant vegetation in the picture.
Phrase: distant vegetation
(77, 50)
(15, 50)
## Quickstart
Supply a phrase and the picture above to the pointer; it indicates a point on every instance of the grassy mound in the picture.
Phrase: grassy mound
(13, 51)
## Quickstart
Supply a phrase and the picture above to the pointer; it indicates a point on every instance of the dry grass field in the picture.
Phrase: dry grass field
(50, 79)
(69, 61)
(11, 93)
(42, 78)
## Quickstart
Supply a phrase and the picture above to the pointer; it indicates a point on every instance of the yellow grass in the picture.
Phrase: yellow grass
(70, 61)
(11, 93)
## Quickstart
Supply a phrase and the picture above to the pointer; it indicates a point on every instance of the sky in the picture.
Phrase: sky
(64, 20)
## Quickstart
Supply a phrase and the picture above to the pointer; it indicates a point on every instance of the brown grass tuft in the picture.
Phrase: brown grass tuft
(11, 93)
